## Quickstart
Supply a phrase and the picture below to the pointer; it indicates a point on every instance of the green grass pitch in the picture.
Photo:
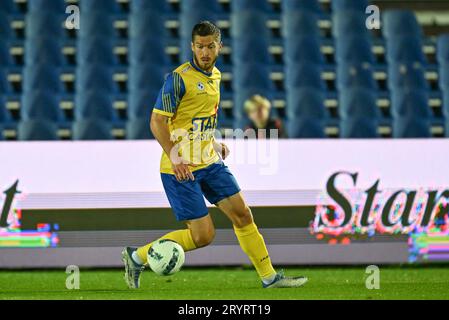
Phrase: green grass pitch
(230, 283)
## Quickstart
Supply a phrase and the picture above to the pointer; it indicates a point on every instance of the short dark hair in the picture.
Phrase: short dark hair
(206, 28)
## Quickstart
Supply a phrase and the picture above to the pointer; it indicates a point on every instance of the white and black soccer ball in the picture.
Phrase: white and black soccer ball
(166, 257)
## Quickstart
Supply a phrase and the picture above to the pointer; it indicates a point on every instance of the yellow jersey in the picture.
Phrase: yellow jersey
(190, 99)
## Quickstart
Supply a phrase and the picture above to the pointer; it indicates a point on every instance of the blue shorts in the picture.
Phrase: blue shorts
(215, 182)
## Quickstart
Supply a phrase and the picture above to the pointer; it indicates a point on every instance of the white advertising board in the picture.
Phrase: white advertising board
(275, 173)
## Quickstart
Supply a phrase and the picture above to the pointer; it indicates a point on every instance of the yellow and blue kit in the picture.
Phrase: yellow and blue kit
(190, 99)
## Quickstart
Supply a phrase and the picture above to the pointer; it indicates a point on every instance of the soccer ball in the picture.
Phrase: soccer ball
(166, 257)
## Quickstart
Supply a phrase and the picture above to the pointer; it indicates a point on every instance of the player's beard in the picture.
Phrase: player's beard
(207, 67)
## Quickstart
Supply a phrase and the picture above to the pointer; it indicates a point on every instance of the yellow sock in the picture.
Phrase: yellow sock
(253, 244)
(183, 237)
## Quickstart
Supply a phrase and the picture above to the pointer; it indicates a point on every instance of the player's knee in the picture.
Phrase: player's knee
(243, 217)
(204, 238)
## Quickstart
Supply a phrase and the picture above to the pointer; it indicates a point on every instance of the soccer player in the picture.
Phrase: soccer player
(183, 122)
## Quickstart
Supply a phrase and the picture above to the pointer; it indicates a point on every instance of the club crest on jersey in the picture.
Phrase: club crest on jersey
(200, 86)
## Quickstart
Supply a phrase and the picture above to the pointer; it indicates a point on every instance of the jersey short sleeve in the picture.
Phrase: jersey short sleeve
(170, 95)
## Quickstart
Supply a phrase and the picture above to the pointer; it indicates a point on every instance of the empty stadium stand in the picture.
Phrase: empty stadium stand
(325, 72)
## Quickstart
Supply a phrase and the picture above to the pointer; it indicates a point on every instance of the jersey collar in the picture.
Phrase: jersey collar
(192, 63)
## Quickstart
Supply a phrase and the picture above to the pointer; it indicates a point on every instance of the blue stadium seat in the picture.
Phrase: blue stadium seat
(251, 75)
(38, 23)
(405, 49)
(5, 55)
(8, 6)
(306, 102)
(96, 24)
(303, 49)
(41, 105)
(141, 22)
(306, 128)
(185, 47)
(44, 50)
(140, 104)
(96, 50)
(359, 128)
(411, 127)
(254, 49)
(5, 86)
(53, 6)
(145, 77)
(95, 77)
(105, 6)
(249, 24)
(297, 23)
(405, 103)
(251, 5)
(42, 77)
(188, 20)
(443, 50)
(312, 6)
(304, 75)
(5, 116)
(6, 31)
(157, 6)
(37, 130)
(92, 129)
(349, 23)
(354, 49)
(446, 104)
(201, 5)
(400, 23)
(138, 129)
(358, 103)
(94, 104)
(444, 77)
(343, 5)
(147, 51)
(355, 75)
(407, 76)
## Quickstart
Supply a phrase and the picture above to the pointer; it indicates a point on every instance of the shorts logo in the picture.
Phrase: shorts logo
(200, 86)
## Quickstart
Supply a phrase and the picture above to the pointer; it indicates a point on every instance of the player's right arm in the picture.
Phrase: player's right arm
(165, 108)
